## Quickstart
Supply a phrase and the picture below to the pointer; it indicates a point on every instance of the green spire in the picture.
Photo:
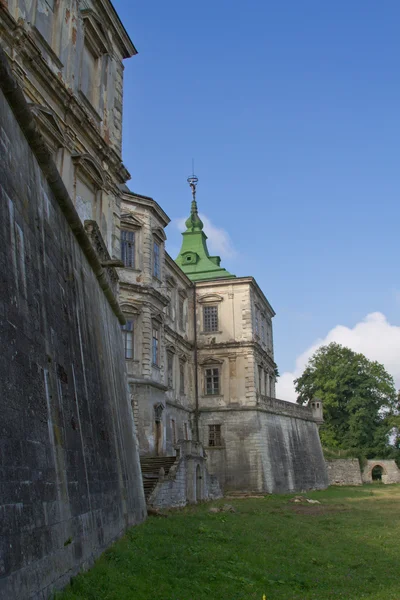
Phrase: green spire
(194, 259)
(194, 223)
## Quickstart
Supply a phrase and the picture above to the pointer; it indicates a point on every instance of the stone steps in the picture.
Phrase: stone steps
(151, 466)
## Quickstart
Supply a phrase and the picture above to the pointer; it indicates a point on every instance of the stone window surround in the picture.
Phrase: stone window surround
(128, 332)
(182, 376)
(215, 435)
(158, 237)
(52, 46)
(170, 362)
(130, 223)
(133, 313)
(97, 44)
(211, 363)
(88, 171)
(210, 300)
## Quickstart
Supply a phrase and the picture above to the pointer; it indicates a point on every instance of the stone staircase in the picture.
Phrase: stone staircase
(151, 466)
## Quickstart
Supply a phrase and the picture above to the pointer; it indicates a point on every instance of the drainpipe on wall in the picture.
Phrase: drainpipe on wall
(196, 374)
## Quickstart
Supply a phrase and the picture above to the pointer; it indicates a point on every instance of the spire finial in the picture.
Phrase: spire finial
(193, 222)
(192, 181)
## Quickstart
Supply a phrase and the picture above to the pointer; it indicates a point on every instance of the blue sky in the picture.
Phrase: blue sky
(291, 111)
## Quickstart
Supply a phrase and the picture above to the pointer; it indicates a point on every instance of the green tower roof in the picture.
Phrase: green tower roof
(194, 259)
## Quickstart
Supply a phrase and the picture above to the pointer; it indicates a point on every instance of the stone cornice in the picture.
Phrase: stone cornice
(177, 337)
(125, 42)
(145, 290)
(147, 202)
(271, 409)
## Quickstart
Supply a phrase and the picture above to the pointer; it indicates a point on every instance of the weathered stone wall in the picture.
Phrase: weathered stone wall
(390, 471)
(264, 452)
(344, 471)
(69, 465)
(188, 480)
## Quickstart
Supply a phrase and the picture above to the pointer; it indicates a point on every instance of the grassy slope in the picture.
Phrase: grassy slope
(347, 547)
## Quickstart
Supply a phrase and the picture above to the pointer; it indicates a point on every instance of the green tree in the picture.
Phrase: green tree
(359, 398)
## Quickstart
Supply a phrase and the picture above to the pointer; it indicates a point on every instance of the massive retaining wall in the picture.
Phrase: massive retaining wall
(344, 471)
(69, 466)
(273, 449)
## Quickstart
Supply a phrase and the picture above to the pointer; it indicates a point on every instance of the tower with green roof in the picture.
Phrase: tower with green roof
(193, 258)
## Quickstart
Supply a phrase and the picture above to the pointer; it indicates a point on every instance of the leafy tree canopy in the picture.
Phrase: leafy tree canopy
(359, 399)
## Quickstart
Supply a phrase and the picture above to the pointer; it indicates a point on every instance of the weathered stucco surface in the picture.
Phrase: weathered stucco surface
(69, 465)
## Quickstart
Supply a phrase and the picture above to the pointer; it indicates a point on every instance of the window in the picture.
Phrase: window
(170, 370)
(212, 381)
(44, 19)
(262, 330)
(266, 383)
(214, 435)
(181, 313)
(260, 373)
(128, 248)
(127, 332)
(156, 260)
(89, 69)
(181, 378)
(86, 198)
(156, 346)
(173, 430)
(186, 431)
(257, 324)
(210, 318)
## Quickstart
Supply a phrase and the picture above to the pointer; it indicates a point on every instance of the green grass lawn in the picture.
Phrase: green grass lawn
(348, 546)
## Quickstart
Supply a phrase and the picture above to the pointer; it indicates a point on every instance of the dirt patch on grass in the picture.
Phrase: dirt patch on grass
(316, 510)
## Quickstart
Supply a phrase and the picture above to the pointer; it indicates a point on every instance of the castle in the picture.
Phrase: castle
(199, 353)
(112, 350)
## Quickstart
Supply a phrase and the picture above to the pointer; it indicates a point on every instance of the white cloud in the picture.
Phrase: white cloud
(219, 241)
(374, 336)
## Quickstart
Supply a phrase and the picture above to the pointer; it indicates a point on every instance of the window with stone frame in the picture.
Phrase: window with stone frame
(257, 322)
(266, 383)
(181, 313)
(186, 429)
(89, 184)
(260, 377)
(263, 339)
(128, 337)
(214, 435)
(170, 369)
(93, 69)
(173, 431)
(45, 20)
(155, 346)
(181, 377)
(212, 381)
(210, 319)
(128, 248)
(156, 259)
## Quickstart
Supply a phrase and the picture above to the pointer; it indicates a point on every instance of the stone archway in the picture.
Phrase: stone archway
(377, 472)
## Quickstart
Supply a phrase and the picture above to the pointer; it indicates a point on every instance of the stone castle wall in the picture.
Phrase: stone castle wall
(264, 452)
(70, 473)
(344, 471)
